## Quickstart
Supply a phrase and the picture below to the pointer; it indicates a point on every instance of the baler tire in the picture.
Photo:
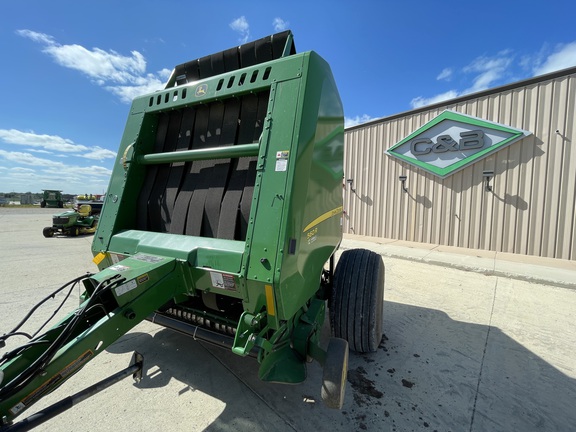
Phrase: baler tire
(48, 232)
(356, 303)
(334, 373)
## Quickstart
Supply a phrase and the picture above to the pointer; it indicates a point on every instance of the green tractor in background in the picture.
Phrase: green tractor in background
(73, 222)
(52, 198)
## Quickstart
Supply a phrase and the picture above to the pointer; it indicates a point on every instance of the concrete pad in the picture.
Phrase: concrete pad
(467, 252)
(387, 249)
(539, 261)
(528, 373)
(530, 271)
(462, 351)
(413, 245)
(461, 261)
(375, 240)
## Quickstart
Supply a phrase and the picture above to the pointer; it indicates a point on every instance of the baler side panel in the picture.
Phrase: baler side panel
(265, 237)
(126, 178)
(312, 225)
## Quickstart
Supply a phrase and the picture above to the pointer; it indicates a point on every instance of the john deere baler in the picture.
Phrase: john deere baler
(221, 220)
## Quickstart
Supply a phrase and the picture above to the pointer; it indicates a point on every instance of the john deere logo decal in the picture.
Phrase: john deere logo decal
(201, 90)
(452, 141)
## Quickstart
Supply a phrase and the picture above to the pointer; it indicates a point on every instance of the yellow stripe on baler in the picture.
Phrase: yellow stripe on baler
(323, 217)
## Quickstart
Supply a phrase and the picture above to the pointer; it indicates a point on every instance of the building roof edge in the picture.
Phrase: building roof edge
(470, 96)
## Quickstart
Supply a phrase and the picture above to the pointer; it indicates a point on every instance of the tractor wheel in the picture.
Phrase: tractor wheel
(74, 231)
(357, 300)
(42, 203)
(48, 232)
(334, 373)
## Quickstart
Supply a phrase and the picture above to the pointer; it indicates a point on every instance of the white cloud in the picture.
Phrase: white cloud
(486, 71)
(42, 143)
(47, 142)
(82, 172)
(98, 153)
(445, 75)
(38, 151)
(279, 24)
(22, 170)
(99, 64)
(36, 37)
(353, 121)
(422, 101)
(241, 26)
(148, 84)
(489, 70)
(564, 57)
(28, 159)
(109, 69)
(39, 173)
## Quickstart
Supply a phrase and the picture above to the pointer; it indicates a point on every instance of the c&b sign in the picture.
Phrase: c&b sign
(452, 141)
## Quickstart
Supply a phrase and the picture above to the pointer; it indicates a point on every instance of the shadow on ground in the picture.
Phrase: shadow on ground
(430, 373)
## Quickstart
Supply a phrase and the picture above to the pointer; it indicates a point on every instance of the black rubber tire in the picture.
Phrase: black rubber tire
(48, 232)
(42, 203)
(357, 300)
(334, 373)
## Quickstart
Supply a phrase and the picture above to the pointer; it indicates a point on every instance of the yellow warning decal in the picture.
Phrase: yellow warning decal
(99, 258)
(54, 382)
(142, 279)
(323, 217)
(270, 300)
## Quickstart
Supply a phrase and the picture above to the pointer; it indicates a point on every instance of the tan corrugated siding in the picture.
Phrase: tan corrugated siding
(532, 208)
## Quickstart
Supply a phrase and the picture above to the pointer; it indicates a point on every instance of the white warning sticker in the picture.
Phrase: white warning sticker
(222, 280)
(127, 287)
(282, 160)
(17, 408)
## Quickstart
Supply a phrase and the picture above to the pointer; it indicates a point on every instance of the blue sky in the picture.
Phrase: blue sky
(70, 68)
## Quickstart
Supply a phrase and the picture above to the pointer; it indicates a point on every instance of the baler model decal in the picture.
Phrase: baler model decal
(323, 217)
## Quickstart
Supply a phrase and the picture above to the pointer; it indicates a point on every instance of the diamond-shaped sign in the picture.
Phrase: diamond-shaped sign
(452, 141)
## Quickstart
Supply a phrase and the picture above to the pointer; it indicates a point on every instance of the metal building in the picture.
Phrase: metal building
(494, 170)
